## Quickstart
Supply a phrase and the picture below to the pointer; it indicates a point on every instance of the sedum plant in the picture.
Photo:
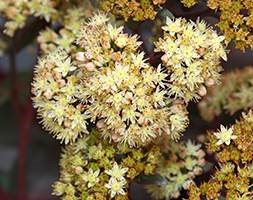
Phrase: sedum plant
(95, 169)
(120, 110)
(235, 21)
(106, 79)
(17, 12)
(137, 10)
(233, 178)
(108, 82)
(101, 77)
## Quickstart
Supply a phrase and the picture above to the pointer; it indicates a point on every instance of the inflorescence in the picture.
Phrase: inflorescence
(182, 163)
(97, 170)
(137, 10)
(233, 177)
(106, 81)
(120, 117)
(233, 94)
(192, 53)
(96, 83)
(236, 21)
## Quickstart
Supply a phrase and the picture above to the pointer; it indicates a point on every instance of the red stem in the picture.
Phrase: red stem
(25, 125)
(24, 115)
(4, 195)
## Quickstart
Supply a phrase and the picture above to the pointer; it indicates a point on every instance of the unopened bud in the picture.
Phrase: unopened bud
(90, 66)
(210, 82)
(116, 56)
(197, 171)
(115, 137)
(48, 94)
(100, 124)
(61, 82)
(202, 91)
(67, 123)
(80, 56)
(78, 170)
(165, 58)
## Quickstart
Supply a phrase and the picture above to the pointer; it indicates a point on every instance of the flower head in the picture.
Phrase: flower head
(192, 53)
(116, 172)
(225, 135)
(91, 177)
(237, 26)
(116, 187)
(106, 81)
(84, 173)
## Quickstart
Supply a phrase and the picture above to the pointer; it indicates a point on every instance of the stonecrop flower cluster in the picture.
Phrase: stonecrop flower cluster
(233, 94)
(189, 3)
(17, 12)
(120, 108)
(137, 10)
(233, 178)
(236, 21)
(50, 39)
(192, 53)
(92, 74)
(55, 91)
(107, 81)
(92, 168)
(182, 163)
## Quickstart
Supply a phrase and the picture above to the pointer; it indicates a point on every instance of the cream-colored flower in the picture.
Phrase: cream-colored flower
(116, 187)
(225, 135)
(116, 172)
(173, 26)
(91, 177)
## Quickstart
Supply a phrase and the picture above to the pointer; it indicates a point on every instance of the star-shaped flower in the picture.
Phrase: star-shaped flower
(116, 172)
(225, 135)
(116, 187)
